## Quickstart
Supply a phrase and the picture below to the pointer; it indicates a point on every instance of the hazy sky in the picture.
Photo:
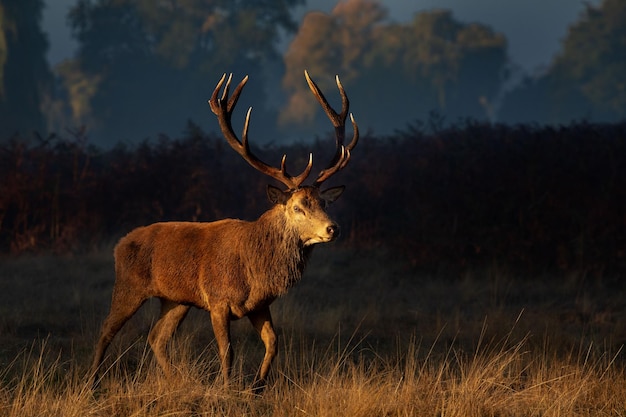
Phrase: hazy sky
(533, 28)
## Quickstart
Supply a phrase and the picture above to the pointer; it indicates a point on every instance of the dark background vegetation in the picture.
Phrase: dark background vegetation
(535, 199)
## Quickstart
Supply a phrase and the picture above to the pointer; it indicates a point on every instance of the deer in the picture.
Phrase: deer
(231, 268)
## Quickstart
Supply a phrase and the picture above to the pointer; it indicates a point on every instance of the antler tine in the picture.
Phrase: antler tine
(214, 101)
(342, 153)
(227, 87)
(223, 108)
(355, 136)
(337, 119)
(232, 102)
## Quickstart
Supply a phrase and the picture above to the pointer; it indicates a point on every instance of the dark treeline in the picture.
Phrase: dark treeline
(531, 198)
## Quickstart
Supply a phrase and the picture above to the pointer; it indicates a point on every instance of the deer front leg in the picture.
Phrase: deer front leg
(262, 322)
(221, 328)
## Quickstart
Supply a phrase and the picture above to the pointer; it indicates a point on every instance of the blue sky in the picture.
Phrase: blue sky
(534, 28)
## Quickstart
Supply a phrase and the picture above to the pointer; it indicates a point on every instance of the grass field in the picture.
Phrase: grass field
(361, 335)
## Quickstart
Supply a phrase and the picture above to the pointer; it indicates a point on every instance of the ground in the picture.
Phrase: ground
(363, 334)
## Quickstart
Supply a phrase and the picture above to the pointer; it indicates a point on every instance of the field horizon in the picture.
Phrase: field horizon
(363, 334)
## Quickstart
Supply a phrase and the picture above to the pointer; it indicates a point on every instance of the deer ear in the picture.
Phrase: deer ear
(332, 194)
(276, 195)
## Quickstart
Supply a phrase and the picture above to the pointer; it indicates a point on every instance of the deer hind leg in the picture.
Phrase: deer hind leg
(123, 307)
(220, 319)
(262, 322)
(172, 314)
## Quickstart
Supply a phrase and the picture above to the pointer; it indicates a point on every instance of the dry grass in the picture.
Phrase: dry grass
(499, 380)
(367, 338)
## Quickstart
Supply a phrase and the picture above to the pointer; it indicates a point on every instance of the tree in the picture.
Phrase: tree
(327, 44)
(151, 66)
(397, 72)
(25, 78)
(594, 58)
(585, 80)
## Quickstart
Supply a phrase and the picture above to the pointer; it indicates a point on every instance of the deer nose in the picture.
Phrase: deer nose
(333, 230)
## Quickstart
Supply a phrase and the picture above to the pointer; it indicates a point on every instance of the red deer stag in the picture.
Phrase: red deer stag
(231, 268)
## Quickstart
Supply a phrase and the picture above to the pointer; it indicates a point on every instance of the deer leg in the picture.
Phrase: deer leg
(172, 314)
(220, 319)
(122, 309)
(262, 322)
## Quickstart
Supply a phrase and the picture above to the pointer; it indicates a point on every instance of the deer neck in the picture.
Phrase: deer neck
(285, 255)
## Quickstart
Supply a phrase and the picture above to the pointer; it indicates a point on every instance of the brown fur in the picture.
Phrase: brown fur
(231, 268)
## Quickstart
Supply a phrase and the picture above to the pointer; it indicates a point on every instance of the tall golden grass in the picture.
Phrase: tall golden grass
(366, 338)
(499, 379)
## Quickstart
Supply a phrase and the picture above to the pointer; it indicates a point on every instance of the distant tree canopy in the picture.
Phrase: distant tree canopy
(147, 67)
(586, 80)
(144, 66)
(400, 71)
(25, 78)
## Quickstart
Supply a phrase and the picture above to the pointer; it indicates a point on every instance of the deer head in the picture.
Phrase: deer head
(304, 205)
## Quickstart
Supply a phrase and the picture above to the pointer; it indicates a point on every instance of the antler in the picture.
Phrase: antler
(342, 153)
(223, 109)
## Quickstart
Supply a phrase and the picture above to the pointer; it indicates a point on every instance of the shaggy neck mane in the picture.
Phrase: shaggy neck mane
(285, 256)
